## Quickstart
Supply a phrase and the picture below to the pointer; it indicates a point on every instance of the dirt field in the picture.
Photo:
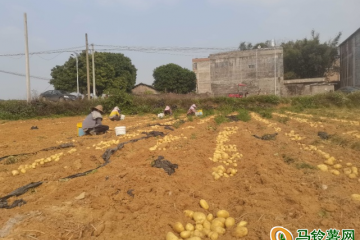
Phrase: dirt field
(277, 182)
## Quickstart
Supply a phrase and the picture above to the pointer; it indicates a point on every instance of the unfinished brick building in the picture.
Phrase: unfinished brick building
(261, 70)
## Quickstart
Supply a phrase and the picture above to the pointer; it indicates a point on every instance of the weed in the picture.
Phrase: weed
(193, 136)
(211, 128)
(304, 165)
(11, 160)
(190, 118)
(323, 213)
(338, 140)
(243, 115)
(288, 159)
(283, 120)
(178, 123)
(219, 119)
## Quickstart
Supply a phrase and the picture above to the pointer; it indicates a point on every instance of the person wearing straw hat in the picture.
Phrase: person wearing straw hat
(115, 114)
(192, 110)
(92, 124)
(167, 111)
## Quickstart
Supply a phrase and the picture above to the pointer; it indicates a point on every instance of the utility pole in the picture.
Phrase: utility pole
(27, 61)
(93, 67)
(87, 67)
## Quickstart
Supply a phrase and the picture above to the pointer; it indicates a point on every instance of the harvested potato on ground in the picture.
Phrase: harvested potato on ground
(213, 235)
(229, 222)
(337, 166)
(335, 172)
(240, 232)
(352, 176)
(199, 227)
(198, 233)
(199, 217)
(204, 204)
(323, 167)
(15, 172)
(347, 171)
(216, 223)
(242, 224)
(355, 197)
(219, 230)
(189, 213)
(222, 213)
(185, 234)
(178, 227)
(210, 217)
(23, 170)
(206, 224)
(171, 236)
(189, 227)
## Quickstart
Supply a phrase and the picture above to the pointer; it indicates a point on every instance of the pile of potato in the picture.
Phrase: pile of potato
(105, 144)
(330, 166)
(167, 139)
(207, 226)
(202, 121)
(353, 133)
(356, 123)
(226, 154)
(302, 120)
(72, 150)
(293, 136)
(268, 123)
(188, 127)
(37, 162)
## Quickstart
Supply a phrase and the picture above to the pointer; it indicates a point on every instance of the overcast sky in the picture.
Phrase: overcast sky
(59, 24)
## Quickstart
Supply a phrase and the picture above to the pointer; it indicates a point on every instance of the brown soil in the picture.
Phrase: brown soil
(266, 192)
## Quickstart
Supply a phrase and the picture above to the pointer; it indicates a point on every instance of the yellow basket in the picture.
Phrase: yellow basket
(79, 125)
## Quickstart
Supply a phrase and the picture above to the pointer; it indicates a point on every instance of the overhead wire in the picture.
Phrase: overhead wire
(23, 75)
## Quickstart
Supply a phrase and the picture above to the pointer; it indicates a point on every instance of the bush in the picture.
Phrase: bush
(243, 115)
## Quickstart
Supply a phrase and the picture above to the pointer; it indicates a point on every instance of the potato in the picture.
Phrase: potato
(193, 238)
(206, 231)
(23, 170)
(213, 235)
(335, 172)
(15, 172)
(216, 223)
(178, 227)
(242, 224)
(229, 222)
(189, 227)
(198, 233)
(354, 170)
(206, 224)
(189, 213)
(355, 197)
(199, 217)
(171, 236)
(220, 219)
(323, 167)
(204, 204)
(219, 230)
(337, 166)
(210, 217)
(222, 213)
(185, 234)
(352, 176)
(240, 232)
(199, 227)
(347, 171)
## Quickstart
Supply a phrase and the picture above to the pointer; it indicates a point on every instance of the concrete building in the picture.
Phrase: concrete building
(261, 70)
(306, 86)
(143, 88)
(350, 60)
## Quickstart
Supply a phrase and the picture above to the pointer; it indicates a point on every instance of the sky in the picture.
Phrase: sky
(59, 24)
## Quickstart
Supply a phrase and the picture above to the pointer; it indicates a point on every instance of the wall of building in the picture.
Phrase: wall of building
(350, 61)
(255, 68)
(142, 89)
(297, 89)
(201, 68)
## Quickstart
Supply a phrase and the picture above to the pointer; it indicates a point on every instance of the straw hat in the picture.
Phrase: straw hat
(99, 108)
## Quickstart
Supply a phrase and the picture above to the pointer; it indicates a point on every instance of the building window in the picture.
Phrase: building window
(195, 66)
(252, 66)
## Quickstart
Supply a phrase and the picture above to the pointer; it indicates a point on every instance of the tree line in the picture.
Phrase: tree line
(304, 58)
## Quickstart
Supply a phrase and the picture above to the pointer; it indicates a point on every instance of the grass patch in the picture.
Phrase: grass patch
(219, 119)
(178, 123)
(288, 160)
(282, 120)
(243, 115)
(190, 118)
(304, 165)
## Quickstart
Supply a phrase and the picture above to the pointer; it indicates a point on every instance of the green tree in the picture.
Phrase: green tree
(112, 71)
(173, 78)
(309, 58)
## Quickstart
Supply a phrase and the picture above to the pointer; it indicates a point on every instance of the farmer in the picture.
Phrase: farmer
(167, 111)
(192, 110)
(115, 114)
(92, 124)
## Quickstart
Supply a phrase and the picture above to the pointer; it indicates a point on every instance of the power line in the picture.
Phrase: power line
(45, 52)
(23, 75)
